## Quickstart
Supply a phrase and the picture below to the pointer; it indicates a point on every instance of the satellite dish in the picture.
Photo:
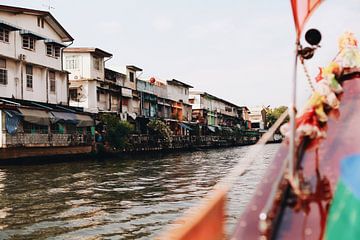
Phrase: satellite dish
(313, 36)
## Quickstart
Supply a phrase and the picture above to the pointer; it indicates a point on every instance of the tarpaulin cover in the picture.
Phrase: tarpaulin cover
(183, 125)
(64, 117)
(84, 120)
(12, 121)
(212, 128)
(34, 116)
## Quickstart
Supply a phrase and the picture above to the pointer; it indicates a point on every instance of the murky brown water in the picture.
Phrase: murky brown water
(119, 198)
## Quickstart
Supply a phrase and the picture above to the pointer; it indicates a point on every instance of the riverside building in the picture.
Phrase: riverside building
(35, 118)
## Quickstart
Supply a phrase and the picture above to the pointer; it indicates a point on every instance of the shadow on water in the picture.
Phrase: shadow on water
(128, 197)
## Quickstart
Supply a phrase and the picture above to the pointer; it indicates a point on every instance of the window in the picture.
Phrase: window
(34, 128)
(98, 95)
(3, 72)
(56, 51)
(52, 81)
(4, 35)
(29, 76)
(52, 50)
(131, 76)
(40, 22)
(97, 63)
(73, 94)
(28, 42)
(72, 62)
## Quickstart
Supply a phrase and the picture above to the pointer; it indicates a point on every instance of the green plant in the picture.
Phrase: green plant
(117, 132)
(161, 130)
(273, 114)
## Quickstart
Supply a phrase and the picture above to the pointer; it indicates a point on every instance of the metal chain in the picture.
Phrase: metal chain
(307, 74)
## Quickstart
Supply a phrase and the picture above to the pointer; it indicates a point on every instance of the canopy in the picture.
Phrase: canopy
(212, 128)
(183, 125)
(84, 120)
(302, 9)
(35, 116)
(66, 117)
(9, 26)
(51, 41)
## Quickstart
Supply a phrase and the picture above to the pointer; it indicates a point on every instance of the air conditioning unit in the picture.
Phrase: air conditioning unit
(22, 57)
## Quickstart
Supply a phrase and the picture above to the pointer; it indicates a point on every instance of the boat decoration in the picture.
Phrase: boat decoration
(311, 123)
(302, 10)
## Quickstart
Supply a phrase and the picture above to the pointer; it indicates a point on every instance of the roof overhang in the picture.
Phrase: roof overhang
(178, 83)
(96, 51)
(32, 34)
(51, 41)
(9, 26)
(133, 68)
(49, 18)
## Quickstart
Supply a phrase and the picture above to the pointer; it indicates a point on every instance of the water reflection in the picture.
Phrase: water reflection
(116, 199)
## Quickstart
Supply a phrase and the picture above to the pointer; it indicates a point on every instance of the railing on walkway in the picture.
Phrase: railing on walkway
(47, 140)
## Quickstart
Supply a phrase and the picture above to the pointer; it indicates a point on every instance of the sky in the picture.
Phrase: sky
(239, 50)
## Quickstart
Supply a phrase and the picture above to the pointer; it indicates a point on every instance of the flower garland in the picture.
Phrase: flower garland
(312, 122)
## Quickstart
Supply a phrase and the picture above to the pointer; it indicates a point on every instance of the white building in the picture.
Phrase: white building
(257, 117)
(211, 110)
(31, 45)
(88, 88)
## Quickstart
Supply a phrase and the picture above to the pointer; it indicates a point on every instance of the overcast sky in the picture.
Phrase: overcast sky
(240, 50)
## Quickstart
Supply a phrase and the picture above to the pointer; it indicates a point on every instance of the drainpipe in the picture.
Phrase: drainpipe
(21, 79)
(109, 105)
(47, 84)
(67, 74)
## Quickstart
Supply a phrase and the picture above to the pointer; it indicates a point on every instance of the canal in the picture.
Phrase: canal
(118, 198)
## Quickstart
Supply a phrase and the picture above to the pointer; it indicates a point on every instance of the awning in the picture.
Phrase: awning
(183, 125)
(228, 129)
(51, 41)
(84, 120)
(35, 116)
(64, 117)
(212, 128)
(32, 34)
(164, 103)
(9, 26)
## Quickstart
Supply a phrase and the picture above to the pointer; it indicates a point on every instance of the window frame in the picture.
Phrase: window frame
(3, 72)
(29, 70)
(73, 93)
(55, 51)
(52, 81)
(4, 35)
(131, 76)
(96, 63)
(30, 43)
(72, 62)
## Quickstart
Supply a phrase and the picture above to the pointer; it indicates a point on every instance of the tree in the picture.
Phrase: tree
(274, 114)
(117, 132)
(159, 129)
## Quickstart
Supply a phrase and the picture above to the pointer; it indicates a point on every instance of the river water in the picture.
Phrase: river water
(118, 198)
